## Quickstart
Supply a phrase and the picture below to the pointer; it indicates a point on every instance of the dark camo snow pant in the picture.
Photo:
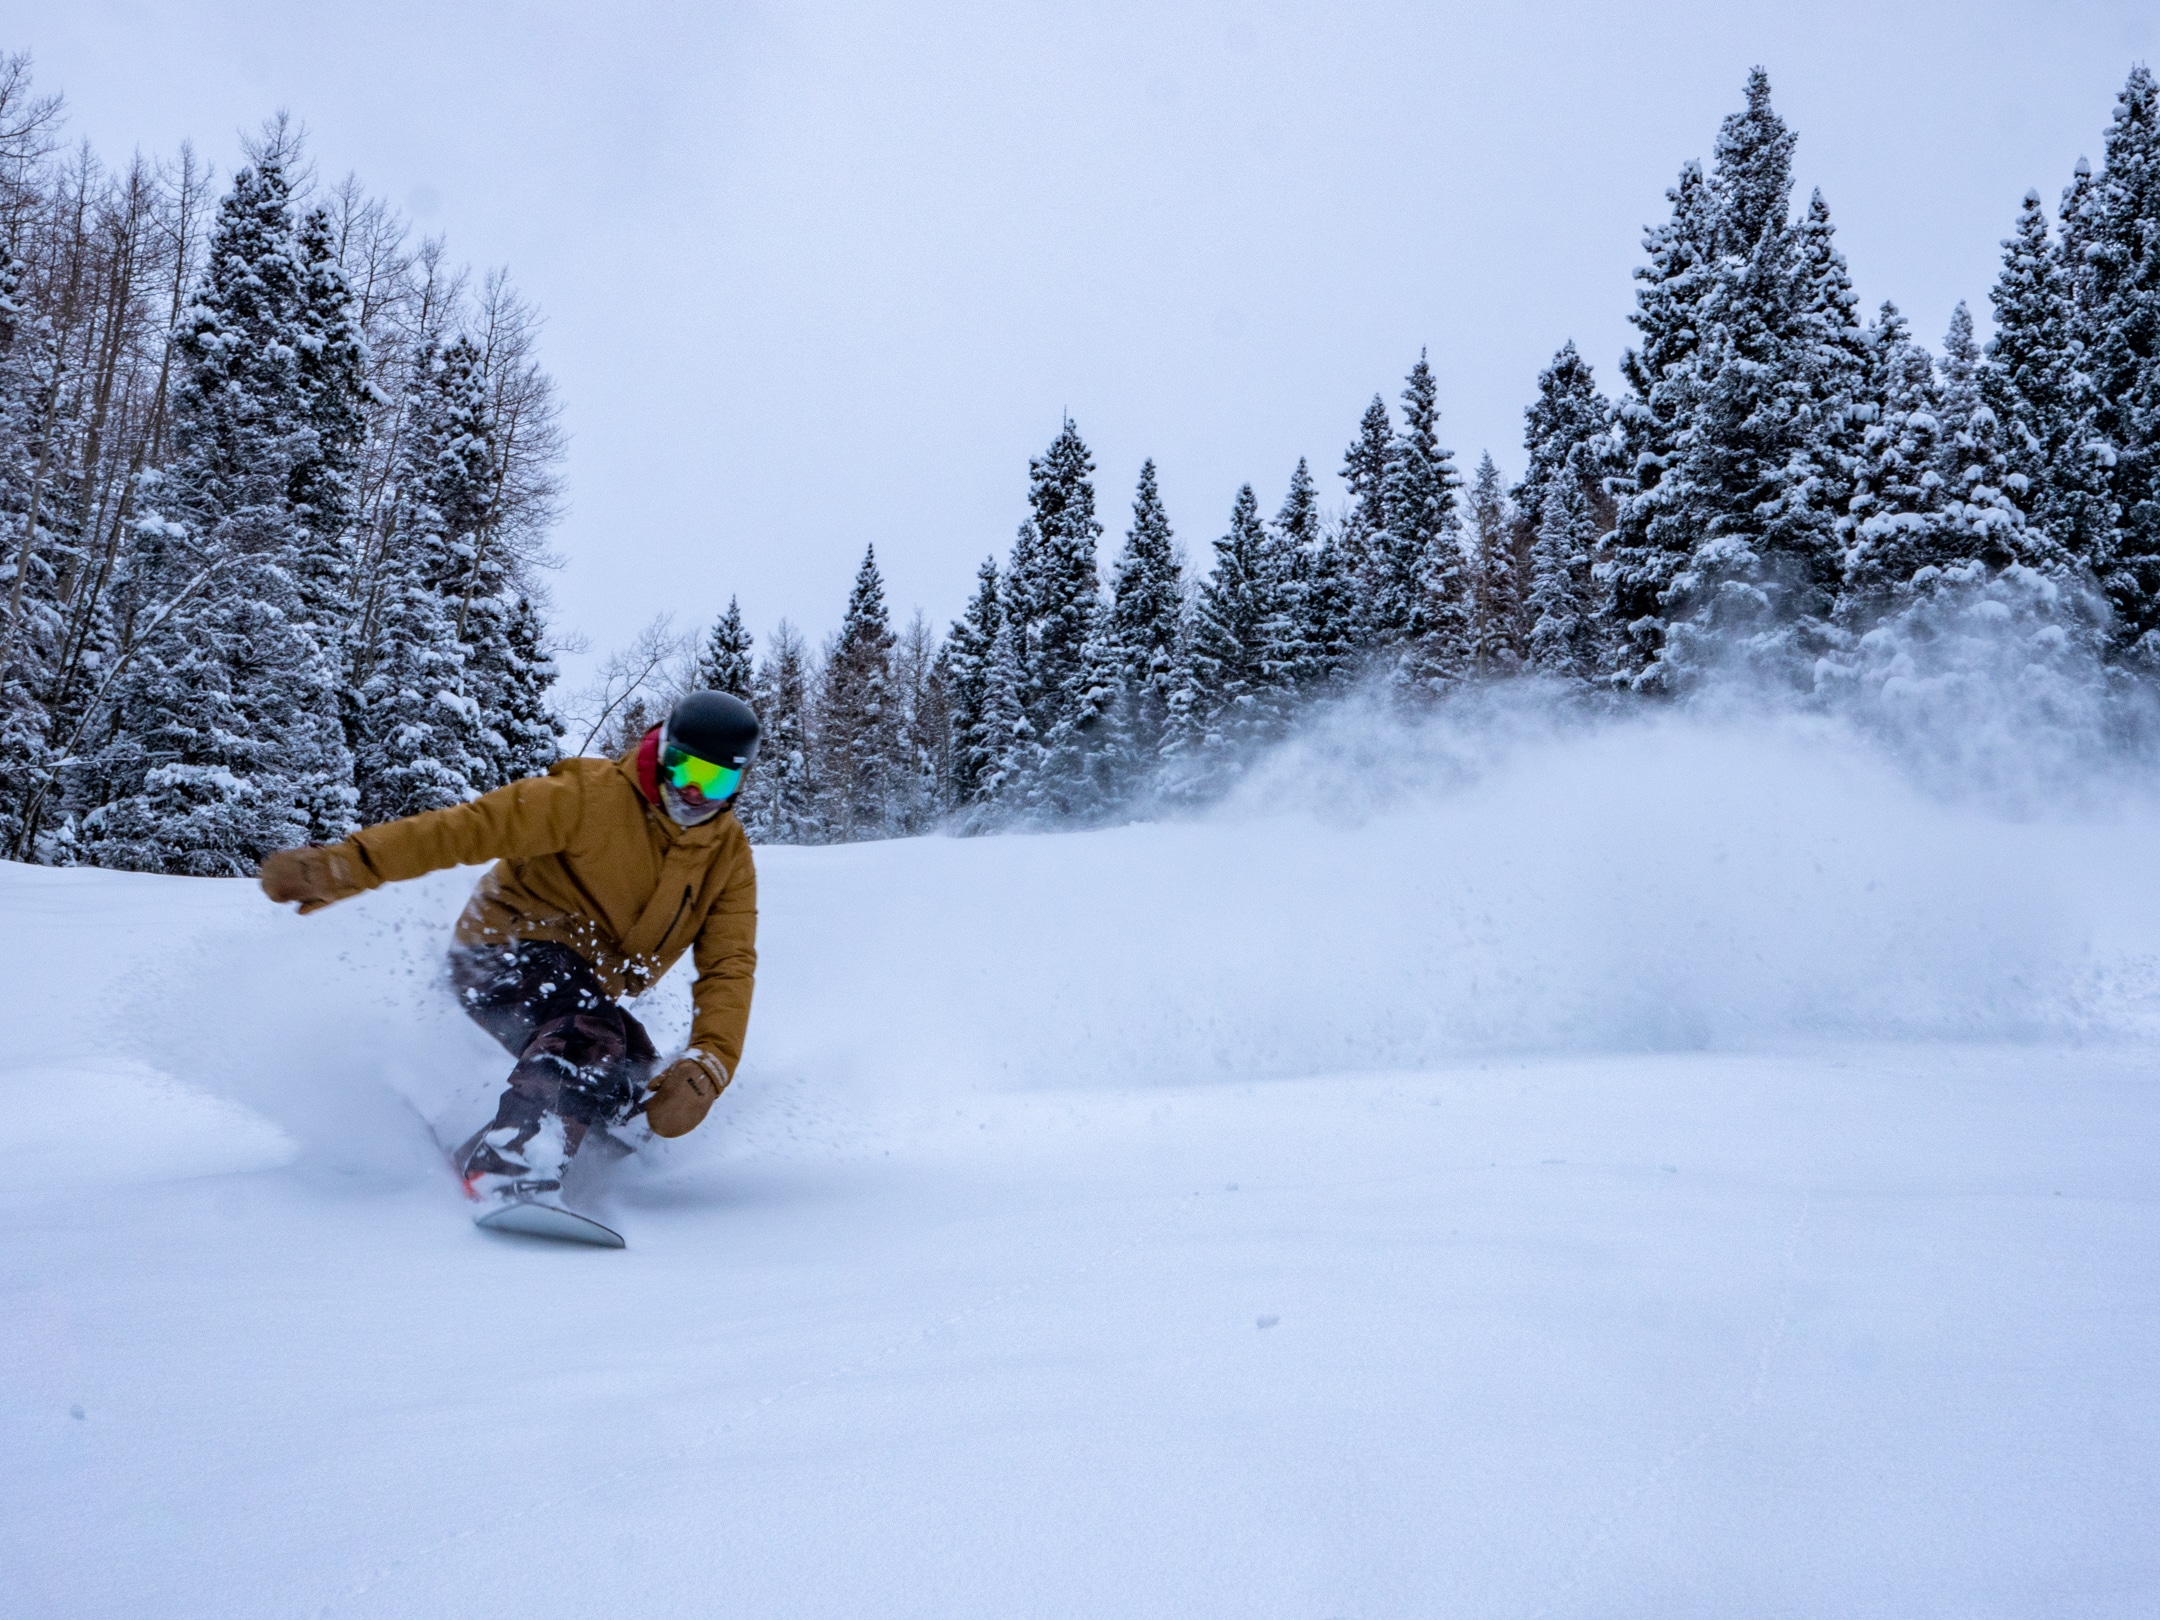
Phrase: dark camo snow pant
(579, 1055)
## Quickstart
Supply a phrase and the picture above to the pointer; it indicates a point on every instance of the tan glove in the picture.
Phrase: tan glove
(315, 876)
(684, 1093)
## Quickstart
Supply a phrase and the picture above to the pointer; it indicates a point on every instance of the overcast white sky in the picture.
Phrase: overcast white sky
(828, 272)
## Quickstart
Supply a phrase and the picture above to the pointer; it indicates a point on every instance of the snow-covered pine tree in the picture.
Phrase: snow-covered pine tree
(1568, 430)
(780, 796)
(335, 394)
(1651, 537)
(1364, 473)
(2034, 383)
(531, 733)
(1895, 525)
(1067, 688)
(421, 745)
(626, 727)
(1958, 375)
(1752, 173)
(1290, 659)
(724, 664)
(1763, 569)
(1496, 615)
(1983, 521)
(31, 633)
(1233, 696)
(857, 723)
(1017, 597)
(1440, 657)
(2074, 274)
(462, 486)
(426, 740)
(1010, 749)
(2119, 332)
(1417, 605)
(923, 753)
(1332, 632)
(1146, 621)
(1019, 755)
(970, 650)
(226, 737)
(1829, 308)
(483, 632)
(1560, 642)
(1100, 752)
(2075, 215)
(1564, 430)
(1735, 456)
(1830, 360)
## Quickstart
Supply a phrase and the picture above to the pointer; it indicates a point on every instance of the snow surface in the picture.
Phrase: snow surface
(1665, 1171)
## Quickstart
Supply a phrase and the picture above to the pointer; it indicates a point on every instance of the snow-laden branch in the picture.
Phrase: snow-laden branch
(94, 705)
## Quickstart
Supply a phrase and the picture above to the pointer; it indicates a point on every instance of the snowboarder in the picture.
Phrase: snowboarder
(605, 872)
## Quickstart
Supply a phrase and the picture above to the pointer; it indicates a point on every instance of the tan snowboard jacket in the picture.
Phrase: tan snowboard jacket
(584, 858)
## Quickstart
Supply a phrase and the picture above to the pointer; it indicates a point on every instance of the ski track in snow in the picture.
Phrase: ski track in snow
(1739, 1200)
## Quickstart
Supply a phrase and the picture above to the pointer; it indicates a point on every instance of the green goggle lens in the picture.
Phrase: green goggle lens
(685, 770)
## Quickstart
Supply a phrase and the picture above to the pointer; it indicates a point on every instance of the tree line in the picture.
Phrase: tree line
(275, 485)
(1778, 479)
(276, 481)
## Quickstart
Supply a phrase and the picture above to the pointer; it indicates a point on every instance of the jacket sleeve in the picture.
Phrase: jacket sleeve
(726, 956)
(536, 816)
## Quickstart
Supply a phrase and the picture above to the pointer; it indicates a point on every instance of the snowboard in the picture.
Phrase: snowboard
(529, 1218)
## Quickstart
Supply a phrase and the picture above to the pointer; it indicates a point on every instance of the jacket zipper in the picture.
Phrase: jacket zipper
(668, 932)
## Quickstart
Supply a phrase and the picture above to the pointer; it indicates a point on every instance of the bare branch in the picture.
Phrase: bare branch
(639, 678)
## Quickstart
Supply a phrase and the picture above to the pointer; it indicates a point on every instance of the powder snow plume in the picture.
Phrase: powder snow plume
(1953, 847)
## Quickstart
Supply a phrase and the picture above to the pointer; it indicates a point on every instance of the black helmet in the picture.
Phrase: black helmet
(714, 726)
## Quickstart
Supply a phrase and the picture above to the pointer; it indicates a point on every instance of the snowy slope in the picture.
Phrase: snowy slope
(1670, 1171)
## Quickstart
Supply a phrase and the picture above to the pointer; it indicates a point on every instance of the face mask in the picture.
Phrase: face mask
(685, 814)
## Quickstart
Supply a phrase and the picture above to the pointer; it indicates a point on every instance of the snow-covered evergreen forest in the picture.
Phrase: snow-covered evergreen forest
(275, 485)
(1787, 493)
(276, 480)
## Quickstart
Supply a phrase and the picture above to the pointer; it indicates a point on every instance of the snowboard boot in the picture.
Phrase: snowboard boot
(516, 1162)
(573, 1079)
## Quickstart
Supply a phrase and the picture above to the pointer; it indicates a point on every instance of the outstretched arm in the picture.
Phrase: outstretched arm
(536, 816)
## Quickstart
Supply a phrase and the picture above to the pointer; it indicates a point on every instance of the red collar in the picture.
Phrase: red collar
(648, 766)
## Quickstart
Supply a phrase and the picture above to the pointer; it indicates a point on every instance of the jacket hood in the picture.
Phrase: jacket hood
(646, 769)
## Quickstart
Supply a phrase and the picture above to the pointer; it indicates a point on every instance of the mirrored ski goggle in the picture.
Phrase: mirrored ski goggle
(685, 770)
